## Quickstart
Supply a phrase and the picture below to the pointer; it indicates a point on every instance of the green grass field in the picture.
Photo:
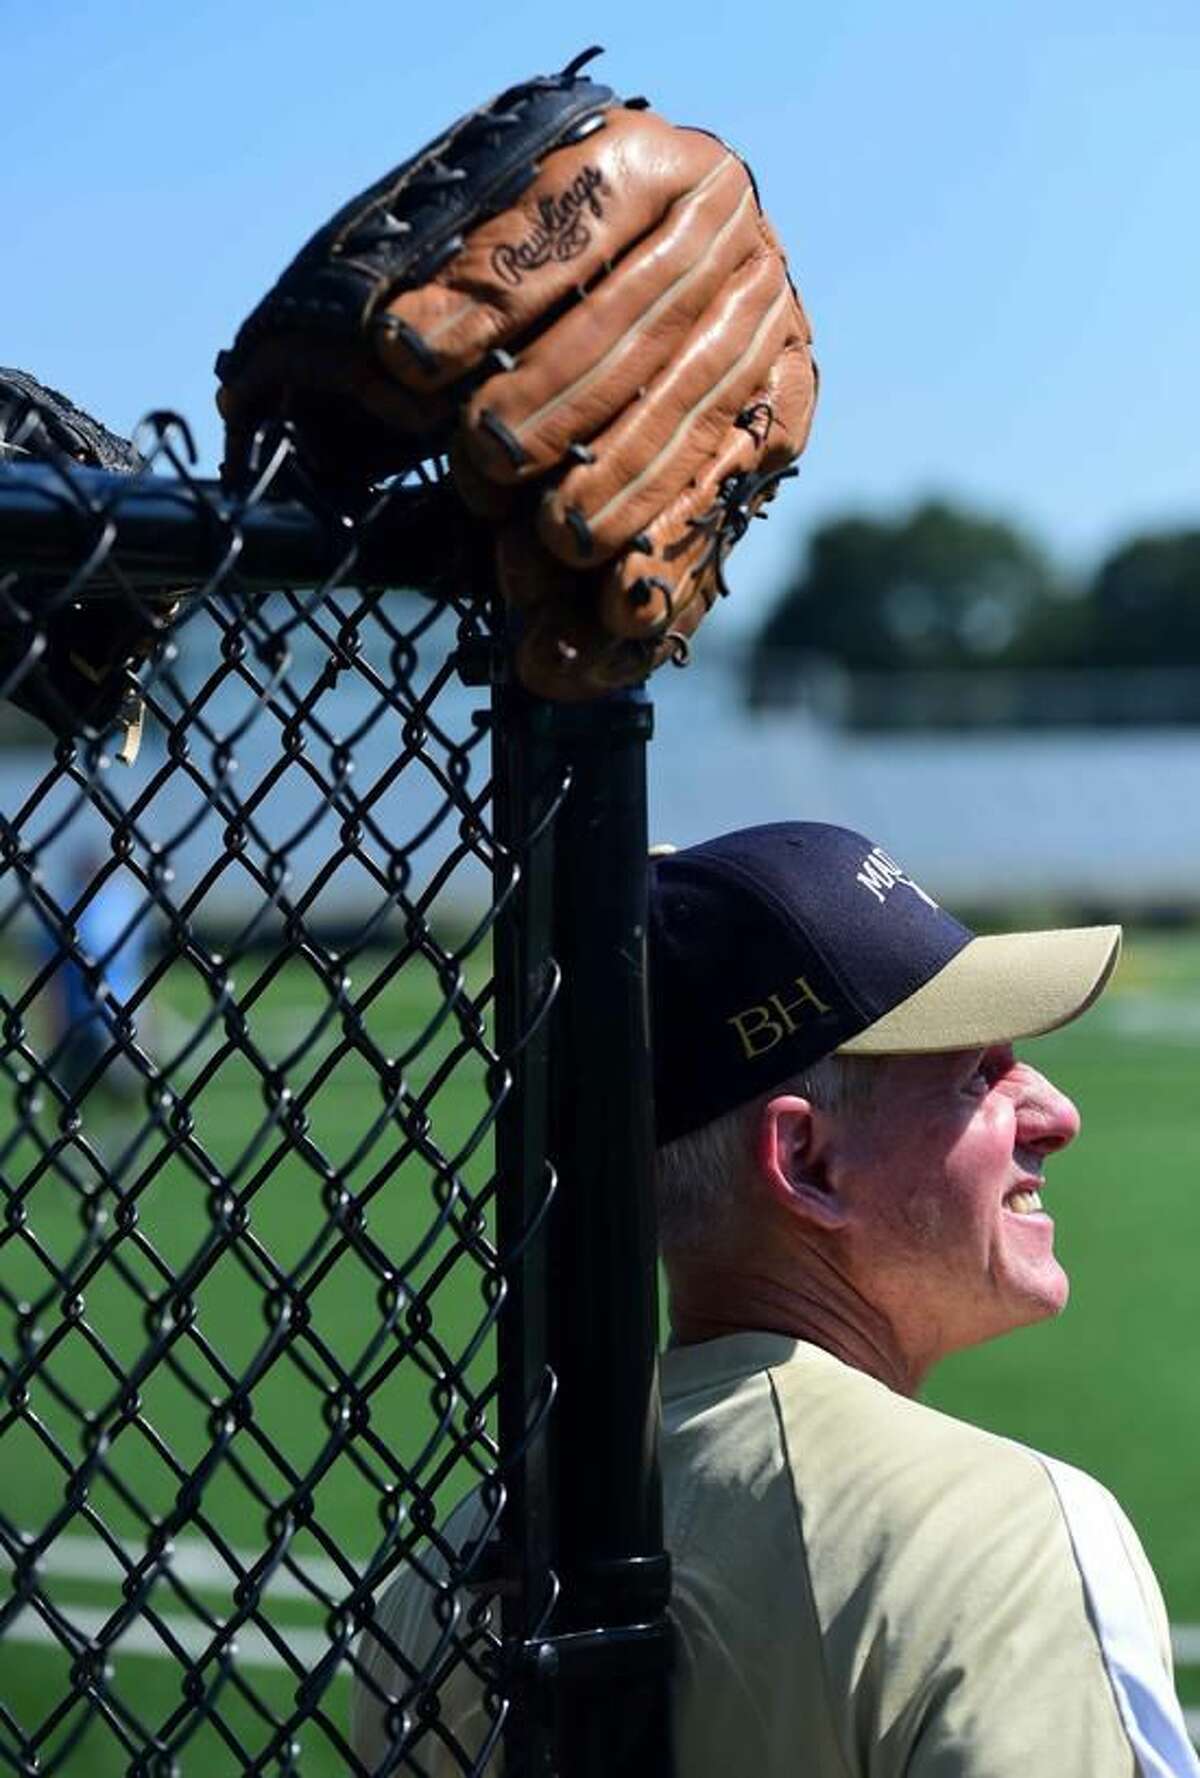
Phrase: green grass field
(1114, 1385)
(286, 1434)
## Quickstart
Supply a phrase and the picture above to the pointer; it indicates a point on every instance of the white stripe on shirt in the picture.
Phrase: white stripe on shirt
(1149, 1708)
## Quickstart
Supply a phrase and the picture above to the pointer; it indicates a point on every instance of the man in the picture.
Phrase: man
(850, 1170)
(850, 1189)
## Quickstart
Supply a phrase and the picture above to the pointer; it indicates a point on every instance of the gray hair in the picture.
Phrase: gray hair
(696, 1177)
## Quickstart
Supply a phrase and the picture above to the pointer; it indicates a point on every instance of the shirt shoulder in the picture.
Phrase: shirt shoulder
(423, 1629)
(861, 1449)
(954, 1572)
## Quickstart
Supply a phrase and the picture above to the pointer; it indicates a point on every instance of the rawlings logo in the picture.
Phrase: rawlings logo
(560, 231)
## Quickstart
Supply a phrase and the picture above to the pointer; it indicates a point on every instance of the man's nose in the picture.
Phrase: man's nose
(1046, 1119)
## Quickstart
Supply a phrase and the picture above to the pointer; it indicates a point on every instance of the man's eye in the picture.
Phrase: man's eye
(992, 1066)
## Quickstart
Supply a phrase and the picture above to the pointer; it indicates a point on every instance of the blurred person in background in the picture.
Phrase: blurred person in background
(96, 979)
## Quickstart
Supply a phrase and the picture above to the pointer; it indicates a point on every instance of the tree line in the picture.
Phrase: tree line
(943, 588)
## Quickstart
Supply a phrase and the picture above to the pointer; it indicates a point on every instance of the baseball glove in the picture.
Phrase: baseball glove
(72, 663)
(584, 307)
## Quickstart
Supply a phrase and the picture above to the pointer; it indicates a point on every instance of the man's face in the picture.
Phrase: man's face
(940, 1175)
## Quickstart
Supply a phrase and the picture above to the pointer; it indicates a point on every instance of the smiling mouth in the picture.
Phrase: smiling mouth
(1023, 1202)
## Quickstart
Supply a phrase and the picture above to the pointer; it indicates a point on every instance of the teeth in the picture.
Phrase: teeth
(1024, 1203)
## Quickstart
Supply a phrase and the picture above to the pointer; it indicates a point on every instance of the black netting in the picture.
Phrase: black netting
(250, 1075)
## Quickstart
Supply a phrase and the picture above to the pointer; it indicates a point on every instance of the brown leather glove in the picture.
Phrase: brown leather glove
(586, 307)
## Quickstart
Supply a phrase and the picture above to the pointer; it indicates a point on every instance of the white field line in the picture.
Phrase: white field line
(1168, 1017)
(139, 1638)
(196, 1564)
(252, 1648)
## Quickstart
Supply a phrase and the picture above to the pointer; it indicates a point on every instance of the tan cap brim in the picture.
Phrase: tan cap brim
(1014, 984)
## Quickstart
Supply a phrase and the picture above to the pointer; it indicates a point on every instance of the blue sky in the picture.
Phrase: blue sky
(991, 212)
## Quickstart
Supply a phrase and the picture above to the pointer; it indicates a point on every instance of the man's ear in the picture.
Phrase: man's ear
(792, 1162)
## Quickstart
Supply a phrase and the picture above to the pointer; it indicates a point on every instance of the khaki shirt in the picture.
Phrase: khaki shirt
(864, 1587)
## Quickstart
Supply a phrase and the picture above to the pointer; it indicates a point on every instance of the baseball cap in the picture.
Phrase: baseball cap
(777, 945)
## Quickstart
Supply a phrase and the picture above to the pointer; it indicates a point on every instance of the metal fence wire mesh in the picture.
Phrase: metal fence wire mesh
(249, 1282)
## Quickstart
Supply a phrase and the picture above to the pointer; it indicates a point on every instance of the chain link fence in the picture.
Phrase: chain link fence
(277, 1150)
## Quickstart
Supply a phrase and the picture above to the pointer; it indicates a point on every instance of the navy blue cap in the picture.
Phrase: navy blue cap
(770, 948)
(773, 947)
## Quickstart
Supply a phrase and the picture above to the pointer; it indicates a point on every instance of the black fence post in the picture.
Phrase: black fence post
(586, 1580)
(613, 1642)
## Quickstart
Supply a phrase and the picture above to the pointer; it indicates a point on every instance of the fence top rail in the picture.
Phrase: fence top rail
(185, 529)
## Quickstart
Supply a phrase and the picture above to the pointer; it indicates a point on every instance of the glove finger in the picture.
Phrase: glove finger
(566, 655)
(590, 202)
(644, 590)
(486, 499)
(563, 652)
(529, 577)
(676, 560)
(335, 391)
(574, 379)
(664, 440)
